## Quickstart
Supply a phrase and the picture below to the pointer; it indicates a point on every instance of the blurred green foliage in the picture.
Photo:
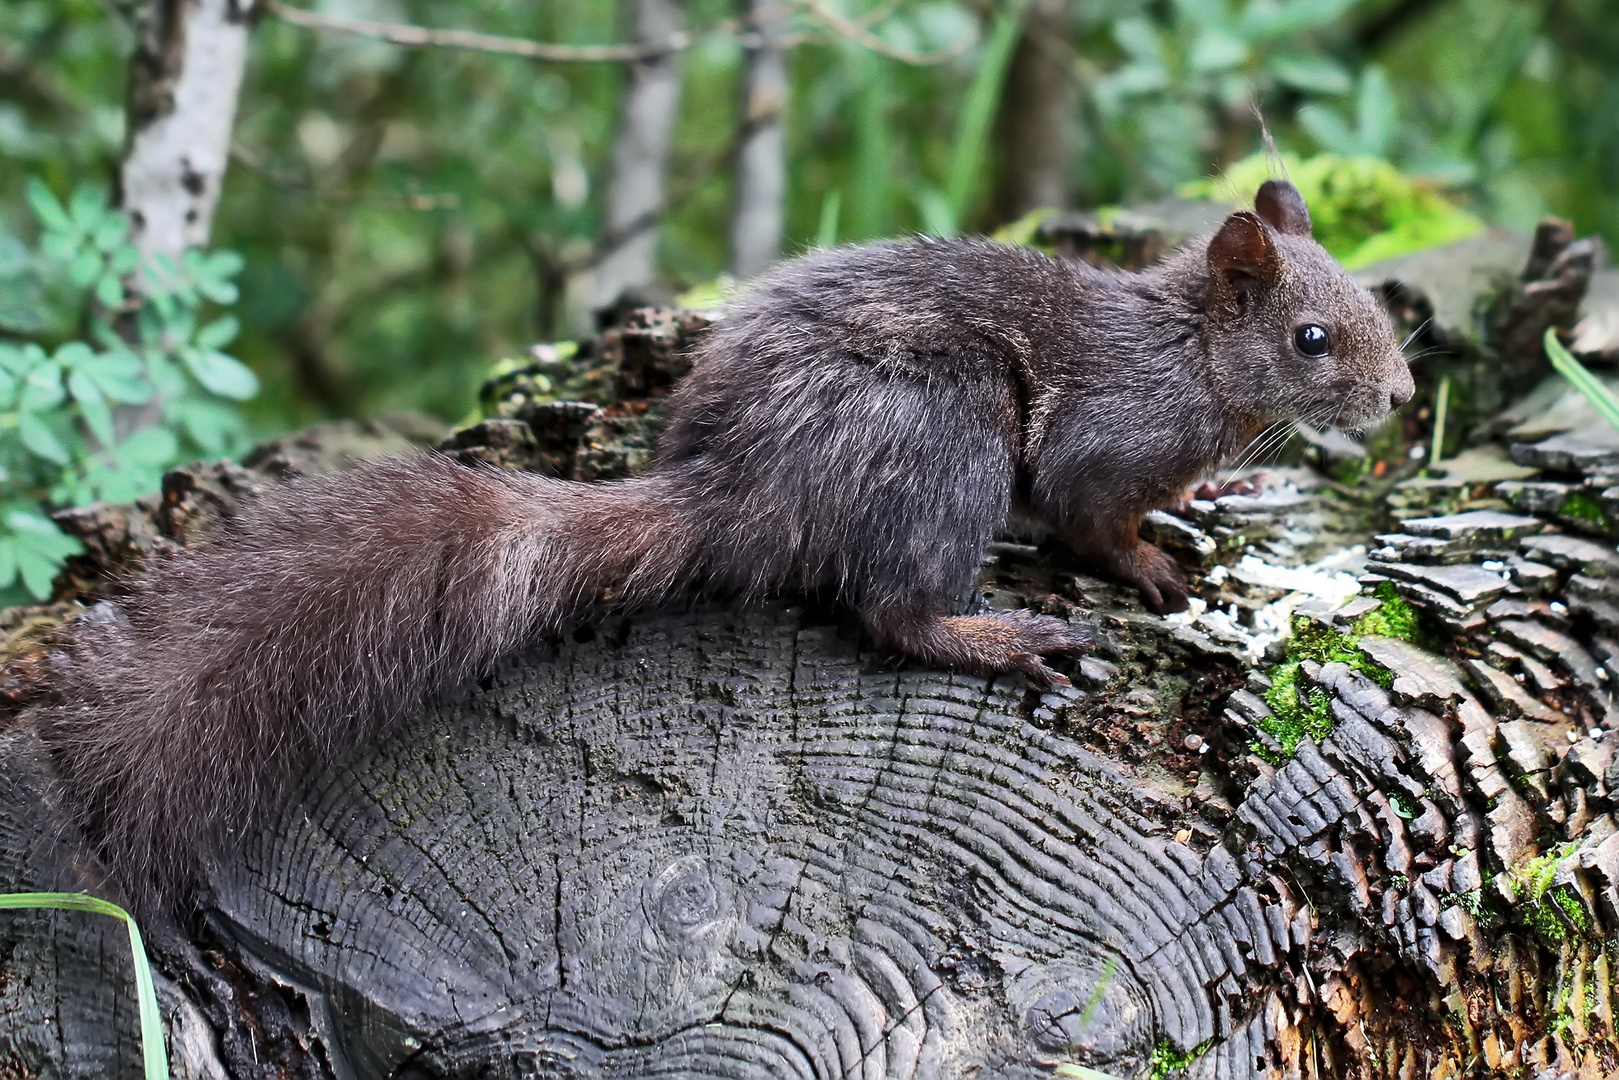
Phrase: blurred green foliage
(81, 343)
(1362, 209)
(408, 216)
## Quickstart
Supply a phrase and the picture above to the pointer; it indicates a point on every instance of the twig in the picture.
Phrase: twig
(421, 37)
(418, 37)
(860, 33)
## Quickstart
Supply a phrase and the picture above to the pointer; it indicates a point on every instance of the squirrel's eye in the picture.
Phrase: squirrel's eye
(1311, 339)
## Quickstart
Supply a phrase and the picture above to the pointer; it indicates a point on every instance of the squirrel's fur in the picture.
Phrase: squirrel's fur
(864, 421)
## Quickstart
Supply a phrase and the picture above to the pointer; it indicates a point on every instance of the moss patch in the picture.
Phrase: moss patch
(1581, 506)
(1363, 208)
(1553, 912)
(1294, 714)
(1165, 1062)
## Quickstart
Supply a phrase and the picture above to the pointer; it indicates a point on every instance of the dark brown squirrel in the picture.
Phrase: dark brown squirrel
(864, 421)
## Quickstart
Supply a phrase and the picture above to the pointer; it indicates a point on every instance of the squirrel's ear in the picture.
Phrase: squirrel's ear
(1282, 207)
(1242, 255)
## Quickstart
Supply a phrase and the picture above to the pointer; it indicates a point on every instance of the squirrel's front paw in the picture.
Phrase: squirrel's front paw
(1162, 585)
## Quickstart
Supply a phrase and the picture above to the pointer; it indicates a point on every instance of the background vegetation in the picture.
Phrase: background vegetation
(396, 209)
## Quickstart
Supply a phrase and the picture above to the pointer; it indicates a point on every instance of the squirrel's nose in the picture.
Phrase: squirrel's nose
(1402, 391)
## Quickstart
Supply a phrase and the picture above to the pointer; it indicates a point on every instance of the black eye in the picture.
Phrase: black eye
(1311, 339)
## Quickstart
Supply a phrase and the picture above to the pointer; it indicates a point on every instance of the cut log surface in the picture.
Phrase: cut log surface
(730, 845)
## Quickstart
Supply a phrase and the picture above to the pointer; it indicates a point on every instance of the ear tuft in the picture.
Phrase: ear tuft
(1243, 256)
(1282, 208)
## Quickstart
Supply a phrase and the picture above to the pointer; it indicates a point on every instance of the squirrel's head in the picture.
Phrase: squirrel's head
(1291, 334)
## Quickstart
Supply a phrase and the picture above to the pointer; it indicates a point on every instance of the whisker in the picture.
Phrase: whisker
(1412, 335)
(1272, 438)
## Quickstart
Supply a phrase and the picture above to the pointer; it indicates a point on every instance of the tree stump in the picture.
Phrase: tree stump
(731, 841)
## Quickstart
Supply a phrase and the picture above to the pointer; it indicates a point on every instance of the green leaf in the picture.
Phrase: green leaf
(120, 375)
(20, 361)
(151, 447)
(59, 246)
(154, 1053)
(938, 217)
(1270, 22)
(92, 406)
(85, 268)
(166, 376)
(221, 374)
(1217, 50)
(8, 562)
(1564, 363)
(1313, 74)
(21, 299)
(224, 264)
(46, 206)
(110, 290)
(38, 571)
(72, 354)
(826, 232)
(42, 389)
(1375, 112)
(219, 333)
(212, 425)
(1329, 129)
(88, 208)
(111, 233)
(40, 440)
(1137, 37)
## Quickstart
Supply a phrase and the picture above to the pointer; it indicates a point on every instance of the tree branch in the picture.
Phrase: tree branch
(421, 37)
(860, 33)
(418, 37)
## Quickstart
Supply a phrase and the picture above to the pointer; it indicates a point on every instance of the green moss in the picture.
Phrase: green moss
(1363, 208)
(1553, 912)
(1295, 715)
(1531, 879)
(1582, 506)
(1165, 1060)
(1397, 618)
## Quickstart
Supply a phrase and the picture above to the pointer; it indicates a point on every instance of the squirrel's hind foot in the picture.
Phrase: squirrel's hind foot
(991, 644)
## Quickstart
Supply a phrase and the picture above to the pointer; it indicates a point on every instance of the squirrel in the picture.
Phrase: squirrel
(863, 421)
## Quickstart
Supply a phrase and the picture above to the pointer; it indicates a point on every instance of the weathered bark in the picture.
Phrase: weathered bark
(184, 79)
(761, 157)
(637, 178)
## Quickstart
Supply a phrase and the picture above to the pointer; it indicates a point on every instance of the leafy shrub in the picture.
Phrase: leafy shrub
(108, 375)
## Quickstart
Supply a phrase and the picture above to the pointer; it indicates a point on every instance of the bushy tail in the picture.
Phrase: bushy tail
(328, 611)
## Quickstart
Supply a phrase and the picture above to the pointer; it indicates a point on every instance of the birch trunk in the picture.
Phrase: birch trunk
(184, 78)
(761, 160)
(637, 179)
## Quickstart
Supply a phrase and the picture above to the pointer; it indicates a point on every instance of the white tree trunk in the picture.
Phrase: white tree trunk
(635, 186)
(761, 161)
(184, 80)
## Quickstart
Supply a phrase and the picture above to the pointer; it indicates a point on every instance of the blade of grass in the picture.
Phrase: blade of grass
(1564, 363)
(154, 1054)
(826, 235)
(1441, 406)
(978, 111)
